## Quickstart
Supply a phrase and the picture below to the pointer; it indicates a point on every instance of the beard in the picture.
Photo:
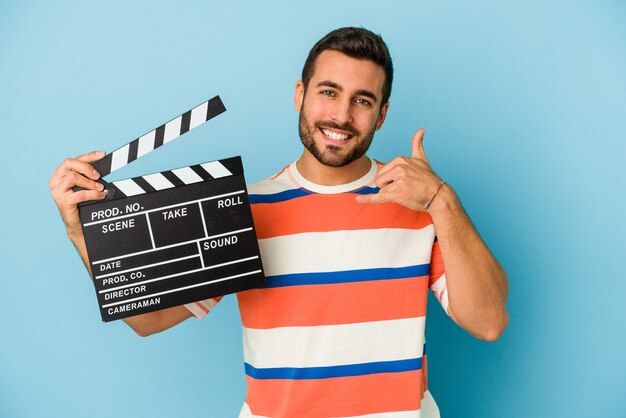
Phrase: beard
(331, 155)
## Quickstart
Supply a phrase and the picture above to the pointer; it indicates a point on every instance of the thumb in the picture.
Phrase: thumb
(417, 145)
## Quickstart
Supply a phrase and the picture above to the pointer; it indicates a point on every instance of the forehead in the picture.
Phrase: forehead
(350, 73)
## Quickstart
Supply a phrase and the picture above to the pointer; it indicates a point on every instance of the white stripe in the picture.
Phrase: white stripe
(440, 290)
(146, 144)
(198, 115)
(209, 304)
(199, 312)
(172, 129)
(246, 413)
(395, 414)
(120, 158)
(270, 186)
(216, 169)
(129, 187)
(158, 181)
(347, 250)
(187, 175)
(333, 345)
(429, 407)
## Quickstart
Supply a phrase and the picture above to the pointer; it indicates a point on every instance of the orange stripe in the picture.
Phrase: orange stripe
(302, 215)
(341, 303)
(279, 173)
(340, 396)
(436, 264)
(424, 374)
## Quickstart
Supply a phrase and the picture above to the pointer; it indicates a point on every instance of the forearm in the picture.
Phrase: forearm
(477, 284)
(155, 322)
(78, 240)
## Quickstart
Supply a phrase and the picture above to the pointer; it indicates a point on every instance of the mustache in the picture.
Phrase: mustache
(334, 125)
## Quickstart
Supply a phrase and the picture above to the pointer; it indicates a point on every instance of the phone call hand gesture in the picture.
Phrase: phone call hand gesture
(408, 181)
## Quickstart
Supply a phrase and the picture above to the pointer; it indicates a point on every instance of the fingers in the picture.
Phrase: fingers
(385, 178)
(74, 199)
(71, 173)
(67, 200)
(79, 164)
(386, 194)
(398, 168)
(373, 198)
(73, 179)
(392, 164)
(92, 156)
(76, 172)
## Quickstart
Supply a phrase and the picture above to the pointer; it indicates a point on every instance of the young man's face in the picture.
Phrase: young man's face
(341, 109)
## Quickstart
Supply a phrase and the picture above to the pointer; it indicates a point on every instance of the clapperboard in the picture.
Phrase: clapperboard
(174, 237)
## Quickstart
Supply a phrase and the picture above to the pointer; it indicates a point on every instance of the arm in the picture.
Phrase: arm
(477, 284)
(78, 172)
(155, 322)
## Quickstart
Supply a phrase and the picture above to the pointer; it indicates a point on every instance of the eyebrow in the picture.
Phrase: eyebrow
(361, 92)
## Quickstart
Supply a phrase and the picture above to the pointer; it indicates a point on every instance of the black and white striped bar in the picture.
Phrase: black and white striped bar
(177, 177)
(159, 136)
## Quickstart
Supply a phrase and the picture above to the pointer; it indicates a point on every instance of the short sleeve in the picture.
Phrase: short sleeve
(437, 279)
(201, 308)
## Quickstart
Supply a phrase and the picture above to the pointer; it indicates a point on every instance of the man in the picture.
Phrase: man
(349, 246)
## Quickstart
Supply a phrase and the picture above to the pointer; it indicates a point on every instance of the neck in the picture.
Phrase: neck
(315, 172)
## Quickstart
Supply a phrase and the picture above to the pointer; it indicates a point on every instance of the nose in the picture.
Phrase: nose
(341, 112)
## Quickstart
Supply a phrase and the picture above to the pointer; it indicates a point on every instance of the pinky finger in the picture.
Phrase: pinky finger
(373, 198)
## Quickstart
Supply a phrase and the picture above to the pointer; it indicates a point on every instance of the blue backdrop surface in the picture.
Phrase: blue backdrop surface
(524, 105)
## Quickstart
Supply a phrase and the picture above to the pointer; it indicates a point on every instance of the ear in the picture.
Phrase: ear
(382, 115)
(298, 96)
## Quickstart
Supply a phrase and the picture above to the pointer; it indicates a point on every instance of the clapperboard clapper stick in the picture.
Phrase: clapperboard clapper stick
(174, 237)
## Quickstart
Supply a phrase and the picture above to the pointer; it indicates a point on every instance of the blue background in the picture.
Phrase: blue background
(524, 105)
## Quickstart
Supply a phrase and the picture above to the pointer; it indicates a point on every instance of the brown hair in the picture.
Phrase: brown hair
(357, 43)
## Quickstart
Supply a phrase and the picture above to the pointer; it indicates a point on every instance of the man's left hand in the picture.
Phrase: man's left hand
(410, 182)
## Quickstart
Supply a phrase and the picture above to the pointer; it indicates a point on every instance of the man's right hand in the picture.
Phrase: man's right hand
(76, 172)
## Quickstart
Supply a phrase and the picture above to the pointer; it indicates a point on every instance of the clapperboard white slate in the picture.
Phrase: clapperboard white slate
(173, 237)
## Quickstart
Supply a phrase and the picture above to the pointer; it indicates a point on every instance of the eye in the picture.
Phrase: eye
(364, 102)
(329, 93)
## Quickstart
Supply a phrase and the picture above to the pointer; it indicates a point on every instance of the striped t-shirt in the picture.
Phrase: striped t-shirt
(338, 330)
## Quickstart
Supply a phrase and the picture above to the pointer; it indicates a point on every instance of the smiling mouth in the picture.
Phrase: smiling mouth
(336, 136)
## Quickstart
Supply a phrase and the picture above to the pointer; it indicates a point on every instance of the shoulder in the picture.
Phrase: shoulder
(277, 183)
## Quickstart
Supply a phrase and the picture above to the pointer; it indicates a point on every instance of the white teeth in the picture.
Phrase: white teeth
(335, 136)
